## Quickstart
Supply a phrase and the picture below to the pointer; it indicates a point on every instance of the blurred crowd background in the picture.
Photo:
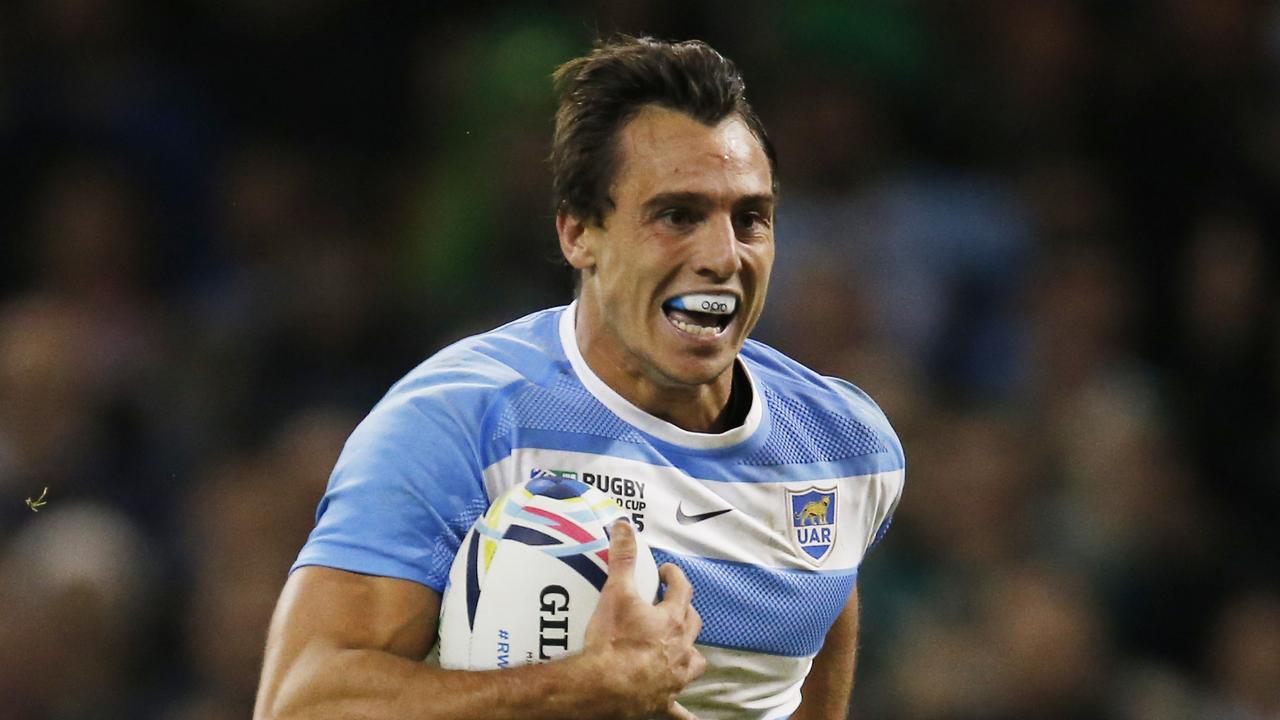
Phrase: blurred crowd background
(1042, 233)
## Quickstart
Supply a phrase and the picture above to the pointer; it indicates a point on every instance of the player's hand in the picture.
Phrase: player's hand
(647, 649)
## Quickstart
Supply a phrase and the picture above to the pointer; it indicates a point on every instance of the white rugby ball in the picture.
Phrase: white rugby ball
(528, 576)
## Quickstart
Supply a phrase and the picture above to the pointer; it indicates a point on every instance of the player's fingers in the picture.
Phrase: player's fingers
(676, 711)
(697, 665)
(622, 556)
(679, 591)
(692, 624)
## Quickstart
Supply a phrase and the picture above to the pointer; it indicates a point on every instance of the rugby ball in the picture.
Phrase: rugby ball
(528, 575)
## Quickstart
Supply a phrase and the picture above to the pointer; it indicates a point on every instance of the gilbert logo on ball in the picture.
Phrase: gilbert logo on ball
(528, 576)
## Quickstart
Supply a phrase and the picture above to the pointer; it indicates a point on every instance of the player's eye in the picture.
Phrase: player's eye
(752, 222)
(679, 217)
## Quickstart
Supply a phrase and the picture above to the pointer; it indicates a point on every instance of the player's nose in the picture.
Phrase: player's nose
(717, 250)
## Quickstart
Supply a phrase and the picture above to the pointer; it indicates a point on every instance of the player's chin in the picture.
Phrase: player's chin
(697, 359)
(700, 366)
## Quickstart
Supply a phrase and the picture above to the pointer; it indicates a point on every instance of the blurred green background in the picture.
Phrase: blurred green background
(1042, 233)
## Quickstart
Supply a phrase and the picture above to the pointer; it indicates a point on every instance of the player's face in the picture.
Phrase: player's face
(675, 279)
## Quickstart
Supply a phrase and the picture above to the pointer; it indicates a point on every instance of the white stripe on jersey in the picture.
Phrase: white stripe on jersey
(756, 531)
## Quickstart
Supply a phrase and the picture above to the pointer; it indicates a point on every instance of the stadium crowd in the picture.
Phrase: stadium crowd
(1041, 233)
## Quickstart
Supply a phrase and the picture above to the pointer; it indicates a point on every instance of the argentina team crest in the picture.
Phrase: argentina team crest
(813, 521)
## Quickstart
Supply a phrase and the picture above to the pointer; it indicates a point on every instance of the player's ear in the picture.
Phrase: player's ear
(576, 237)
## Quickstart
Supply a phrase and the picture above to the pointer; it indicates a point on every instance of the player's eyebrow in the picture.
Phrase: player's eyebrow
(762, 201)
(758, 201)
(684, 199)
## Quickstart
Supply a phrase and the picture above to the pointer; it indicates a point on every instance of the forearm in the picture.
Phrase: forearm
(338, 683)
(345, 645)
(827, 690)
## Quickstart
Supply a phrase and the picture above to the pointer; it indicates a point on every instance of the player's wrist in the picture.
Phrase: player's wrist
(616, 683)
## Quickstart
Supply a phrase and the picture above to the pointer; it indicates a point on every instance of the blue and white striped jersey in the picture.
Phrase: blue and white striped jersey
(770, 520)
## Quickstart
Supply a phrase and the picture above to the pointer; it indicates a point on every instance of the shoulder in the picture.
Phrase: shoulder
(409, 481)
(476, 368)
(831, 411)
(457, 388)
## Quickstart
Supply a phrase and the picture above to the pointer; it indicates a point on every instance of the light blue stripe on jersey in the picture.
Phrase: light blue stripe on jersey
(747, 607)
(516, 510)
(698, 466)
(567, 550)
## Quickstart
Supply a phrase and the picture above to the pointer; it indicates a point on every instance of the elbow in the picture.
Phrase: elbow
(274, 713)
(262, 711)
(273, 705)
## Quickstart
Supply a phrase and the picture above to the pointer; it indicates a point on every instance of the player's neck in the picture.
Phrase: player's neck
(712, 407)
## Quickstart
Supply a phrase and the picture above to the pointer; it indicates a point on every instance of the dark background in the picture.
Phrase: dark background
(1041, 233)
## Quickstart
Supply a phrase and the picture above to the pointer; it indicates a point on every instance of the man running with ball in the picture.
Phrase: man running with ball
(759, 484)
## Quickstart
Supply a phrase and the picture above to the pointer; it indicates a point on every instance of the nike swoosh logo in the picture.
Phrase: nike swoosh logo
(685, 519)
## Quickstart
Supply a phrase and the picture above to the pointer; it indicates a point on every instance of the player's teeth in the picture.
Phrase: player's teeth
(713, 303)
(695, 329)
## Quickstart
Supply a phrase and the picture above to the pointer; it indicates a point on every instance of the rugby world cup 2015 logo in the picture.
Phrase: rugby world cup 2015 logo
(537, 473)
(812, 515)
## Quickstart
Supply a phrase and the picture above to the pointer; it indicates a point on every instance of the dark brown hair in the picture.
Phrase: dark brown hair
(600, 92)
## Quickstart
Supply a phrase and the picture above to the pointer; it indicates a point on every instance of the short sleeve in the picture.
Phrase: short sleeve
(889, 483)
(405, 489)
(883, 528)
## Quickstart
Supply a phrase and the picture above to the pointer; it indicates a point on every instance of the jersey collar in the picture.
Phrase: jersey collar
(655, 426)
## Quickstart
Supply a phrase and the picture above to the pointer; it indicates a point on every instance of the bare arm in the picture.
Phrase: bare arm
(829, 685)
(345, 645)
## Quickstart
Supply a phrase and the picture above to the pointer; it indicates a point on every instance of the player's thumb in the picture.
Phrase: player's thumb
(676, 711)
(622, 556)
